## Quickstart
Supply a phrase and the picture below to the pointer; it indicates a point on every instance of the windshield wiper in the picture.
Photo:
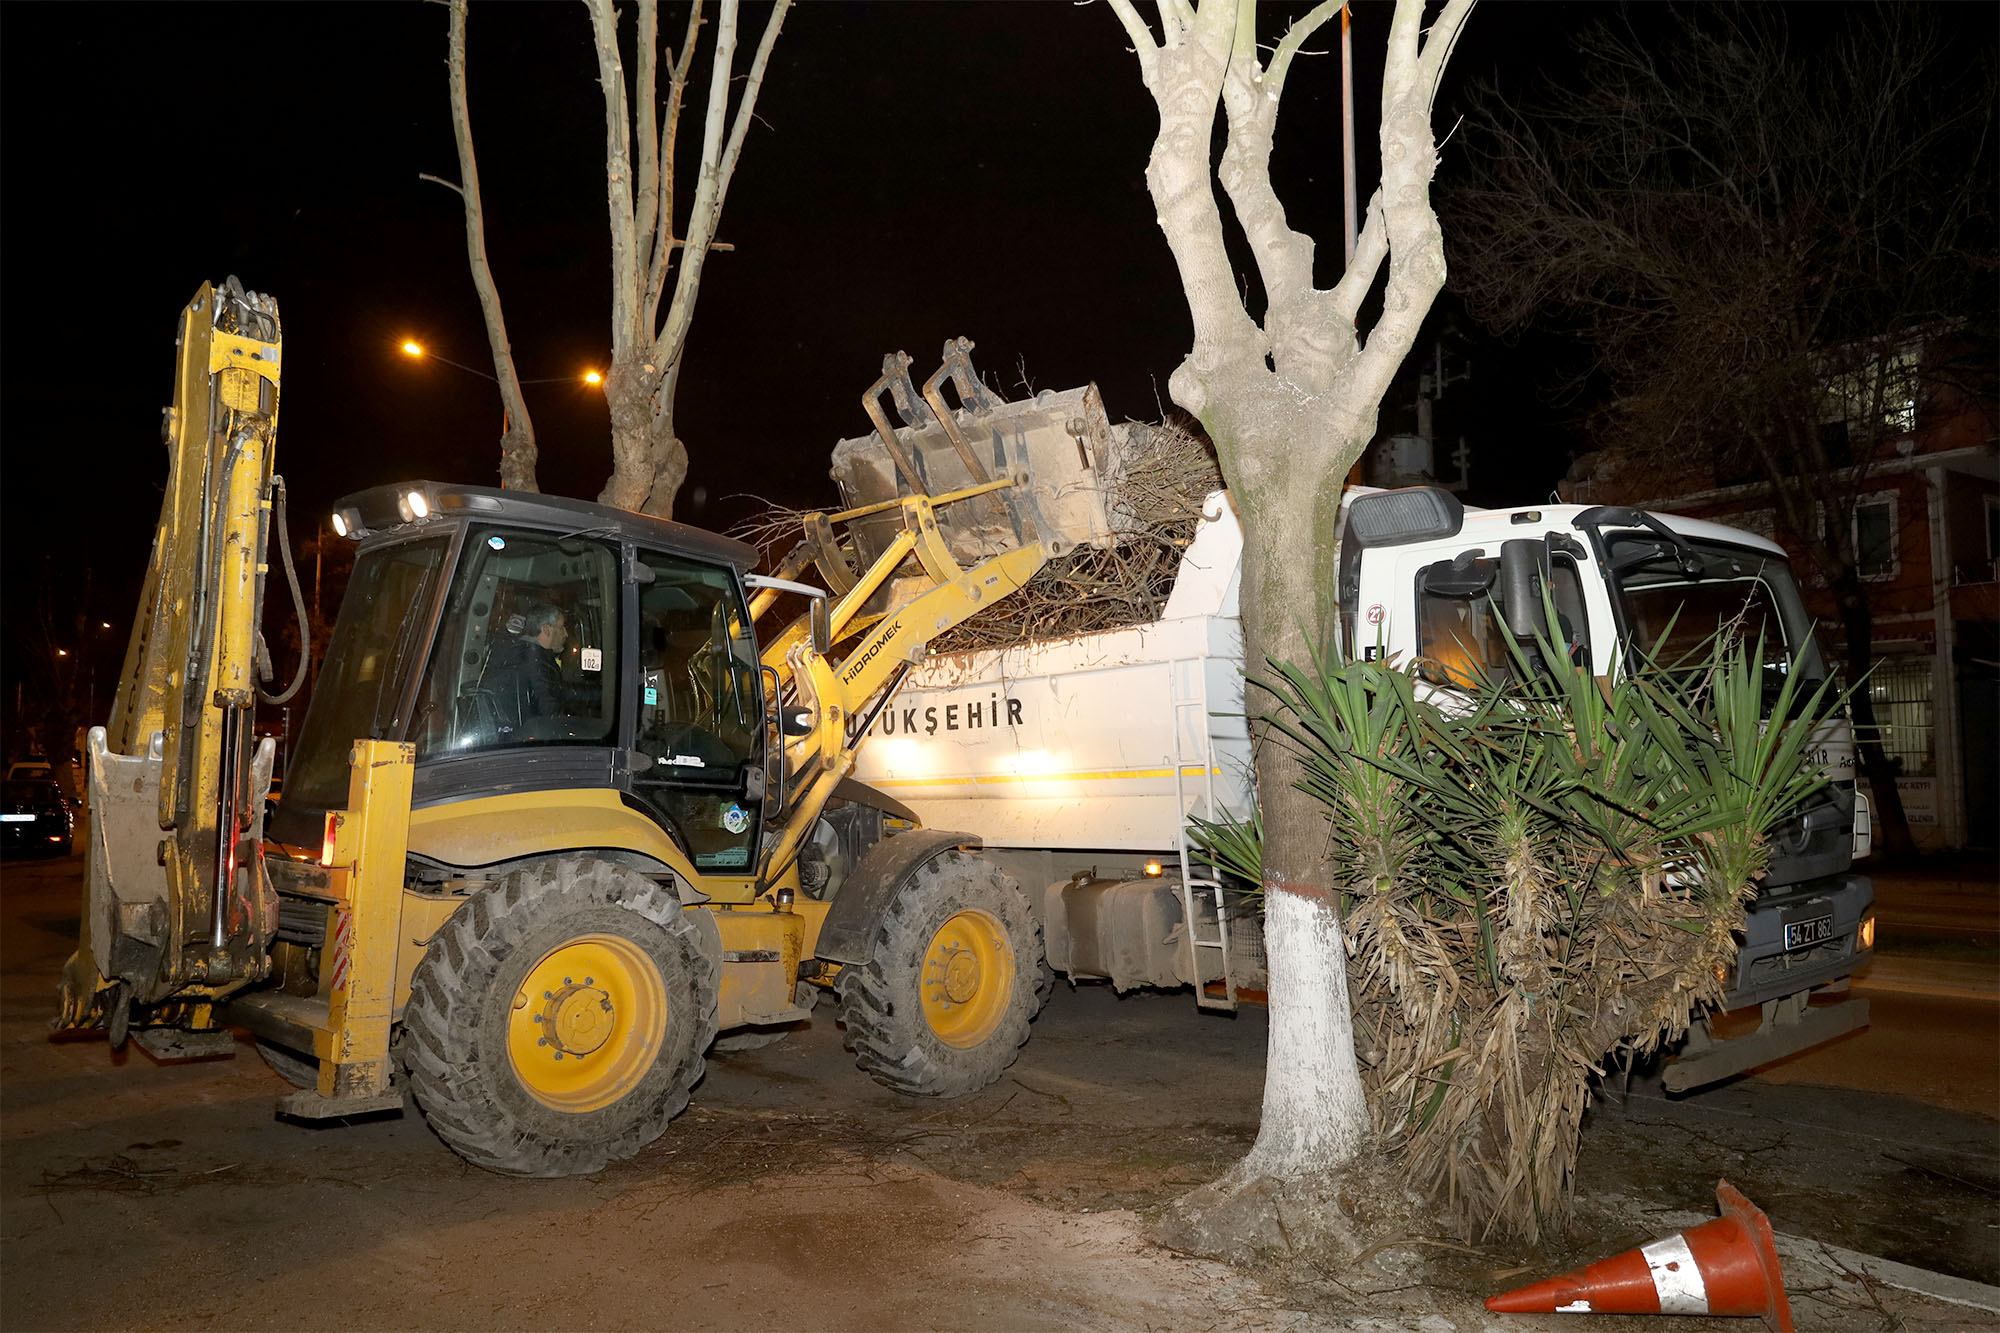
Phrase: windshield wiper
(1599, 516)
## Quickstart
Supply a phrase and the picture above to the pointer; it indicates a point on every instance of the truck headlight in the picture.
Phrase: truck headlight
(1865, 937)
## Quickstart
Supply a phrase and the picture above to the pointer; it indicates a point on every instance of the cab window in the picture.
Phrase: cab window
(701, 711)
(1460, 637)
(367, 666)
(527, 650)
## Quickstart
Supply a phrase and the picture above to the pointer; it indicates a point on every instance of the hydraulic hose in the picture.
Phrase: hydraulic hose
(298, 599)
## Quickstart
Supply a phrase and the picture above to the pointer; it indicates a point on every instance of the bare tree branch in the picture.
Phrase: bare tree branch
(517, 444)
(1295, 37)
(618, 174)
(664, 240)
(717, 165)
(1143, 44)
(646, 192)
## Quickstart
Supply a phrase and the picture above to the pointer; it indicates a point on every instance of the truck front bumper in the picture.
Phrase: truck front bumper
(1824, 917)
(1802, 942)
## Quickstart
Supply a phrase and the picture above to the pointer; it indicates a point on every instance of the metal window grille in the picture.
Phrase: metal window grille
(1900, 689)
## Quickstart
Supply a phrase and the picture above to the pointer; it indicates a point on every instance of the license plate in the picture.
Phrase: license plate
(1812, 930)
(17, 819)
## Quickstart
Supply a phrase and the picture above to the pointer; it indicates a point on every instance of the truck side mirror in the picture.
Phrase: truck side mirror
(1522, 573)
(1465, 575)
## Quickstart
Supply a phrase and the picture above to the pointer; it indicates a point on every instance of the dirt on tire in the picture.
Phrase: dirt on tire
(455, 1044)
(883, 1002)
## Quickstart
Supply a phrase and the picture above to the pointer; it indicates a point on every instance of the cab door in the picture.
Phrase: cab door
(700, 711)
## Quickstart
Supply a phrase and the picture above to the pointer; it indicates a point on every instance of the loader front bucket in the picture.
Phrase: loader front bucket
(1063, 456)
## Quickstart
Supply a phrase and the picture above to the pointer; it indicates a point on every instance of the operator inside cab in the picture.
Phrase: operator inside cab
(525, 676)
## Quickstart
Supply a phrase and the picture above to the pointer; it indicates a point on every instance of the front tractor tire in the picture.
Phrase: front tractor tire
(955, 975)
(558, 1019)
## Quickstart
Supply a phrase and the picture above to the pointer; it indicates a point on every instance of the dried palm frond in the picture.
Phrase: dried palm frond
(1536, 877)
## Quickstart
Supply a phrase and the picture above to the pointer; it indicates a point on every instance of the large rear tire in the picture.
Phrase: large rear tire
(954, 978)
(558, 1019)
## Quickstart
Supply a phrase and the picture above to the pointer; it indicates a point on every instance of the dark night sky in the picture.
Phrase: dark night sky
(920, 171)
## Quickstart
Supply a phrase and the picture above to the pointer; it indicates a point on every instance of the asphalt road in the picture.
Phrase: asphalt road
(1933, 993)
(137, 1195)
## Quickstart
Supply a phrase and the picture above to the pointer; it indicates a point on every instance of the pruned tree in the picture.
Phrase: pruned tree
(1768, 243)
(1289, 392)
(654, 262)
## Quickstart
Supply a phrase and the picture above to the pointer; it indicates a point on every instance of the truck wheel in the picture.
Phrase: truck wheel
(955, 975)
(558, 1019)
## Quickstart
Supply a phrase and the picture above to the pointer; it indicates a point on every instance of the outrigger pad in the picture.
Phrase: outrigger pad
(1064, 456)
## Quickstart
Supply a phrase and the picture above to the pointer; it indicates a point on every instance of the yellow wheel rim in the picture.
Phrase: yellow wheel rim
(968, 979)
(587, 1023)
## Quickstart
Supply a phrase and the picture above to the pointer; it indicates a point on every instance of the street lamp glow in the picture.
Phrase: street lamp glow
(413, 348)
(62, 652)
(592, 377)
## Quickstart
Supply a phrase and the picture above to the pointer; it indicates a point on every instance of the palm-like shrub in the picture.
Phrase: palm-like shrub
(1536, 872)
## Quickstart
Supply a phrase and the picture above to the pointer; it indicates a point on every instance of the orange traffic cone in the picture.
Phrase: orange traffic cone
(1725, 1267)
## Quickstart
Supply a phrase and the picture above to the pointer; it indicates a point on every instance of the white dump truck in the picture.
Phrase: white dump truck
(1077, 761)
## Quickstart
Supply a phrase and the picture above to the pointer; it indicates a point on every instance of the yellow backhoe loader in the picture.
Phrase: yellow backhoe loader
(567, 801)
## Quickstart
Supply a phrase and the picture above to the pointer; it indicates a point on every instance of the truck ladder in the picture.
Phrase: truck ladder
(1211, 888)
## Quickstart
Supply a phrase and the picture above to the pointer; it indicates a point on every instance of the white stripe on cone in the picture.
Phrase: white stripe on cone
(1676, 1276)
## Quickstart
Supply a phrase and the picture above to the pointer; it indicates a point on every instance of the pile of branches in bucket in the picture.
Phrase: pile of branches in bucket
(1169, 470)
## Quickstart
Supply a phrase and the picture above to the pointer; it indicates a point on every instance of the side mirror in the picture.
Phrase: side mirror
(822, 625)
(819, 616)
(1522, 573)
(1465, 575)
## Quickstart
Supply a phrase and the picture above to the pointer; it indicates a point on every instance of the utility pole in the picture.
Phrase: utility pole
(1347, 125)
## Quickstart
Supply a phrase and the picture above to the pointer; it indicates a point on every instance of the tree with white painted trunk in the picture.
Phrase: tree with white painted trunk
(1291, 399)
(651, 264)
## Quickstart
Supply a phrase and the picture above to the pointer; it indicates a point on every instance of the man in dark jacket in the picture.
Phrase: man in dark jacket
(526, 672)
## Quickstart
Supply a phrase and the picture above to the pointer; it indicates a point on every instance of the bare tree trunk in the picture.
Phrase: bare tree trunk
(1315, 1111)
(649, 462)
(517, 440)
(1290, 404)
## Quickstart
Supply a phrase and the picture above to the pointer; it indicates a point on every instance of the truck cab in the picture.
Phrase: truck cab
(1423, 583)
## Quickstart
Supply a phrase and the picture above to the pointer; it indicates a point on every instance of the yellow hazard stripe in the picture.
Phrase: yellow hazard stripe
(1106, 775)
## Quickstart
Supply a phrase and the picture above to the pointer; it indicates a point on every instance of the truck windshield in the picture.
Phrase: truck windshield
(375, 643)
(1672, 613)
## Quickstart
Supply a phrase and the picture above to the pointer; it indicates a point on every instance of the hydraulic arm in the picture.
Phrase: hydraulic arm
(177, 911)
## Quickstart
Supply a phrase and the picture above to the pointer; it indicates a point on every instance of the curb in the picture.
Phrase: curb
(1889, 1273)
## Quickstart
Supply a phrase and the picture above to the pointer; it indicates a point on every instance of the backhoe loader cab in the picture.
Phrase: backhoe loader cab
(524, 643)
